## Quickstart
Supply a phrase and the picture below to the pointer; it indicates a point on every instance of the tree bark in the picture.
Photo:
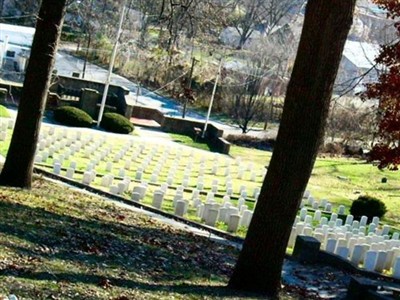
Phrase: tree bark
(17, 170)
(325, 30)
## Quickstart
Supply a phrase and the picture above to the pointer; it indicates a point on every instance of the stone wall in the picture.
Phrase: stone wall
(143, 112)
(65, 85)
(187, 127)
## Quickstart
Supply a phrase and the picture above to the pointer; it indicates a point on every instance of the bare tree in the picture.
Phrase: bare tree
(248, 104)
(17, 170)
(264, 15)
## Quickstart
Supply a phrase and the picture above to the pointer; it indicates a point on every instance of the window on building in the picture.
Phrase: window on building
(10, 53)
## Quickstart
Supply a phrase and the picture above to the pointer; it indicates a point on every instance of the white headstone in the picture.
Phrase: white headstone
(70, 173)
(303, 214)
(109, 166)
(380, 261)
(246, 218)
(87, 178)
(121, 187)
(233, 223)
(324, 221)
(222, 214)
(158, 199)
(114, 189)
(180, 208)
(212, 217)
(343, 252)
(357, 254)
(370, 260)
(385, 229)
(57, 168)
(371, 227)
(330, 245)
(349, 220)
(356, 224)
(136, 196)
(363, 221)
(333, 217)
(375, 220)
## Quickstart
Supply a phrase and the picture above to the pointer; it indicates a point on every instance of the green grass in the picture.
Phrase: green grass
(188, 141)
(4, 112)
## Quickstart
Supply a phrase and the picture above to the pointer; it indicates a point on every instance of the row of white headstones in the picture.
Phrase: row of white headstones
(52, 142)
(347, 240)
(210, 212)
(50, 145)
(364, 244)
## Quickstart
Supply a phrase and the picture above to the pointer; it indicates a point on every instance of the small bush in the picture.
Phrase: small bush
(72, 116)
(4, 112)
(332, 148)
(114, 122)
(368, 206)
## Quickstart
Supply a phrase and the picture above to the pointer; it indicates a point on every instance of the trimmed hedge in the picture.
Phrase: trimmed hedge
(368, 206)
(116, 123)
(72, 116)
(4, 112)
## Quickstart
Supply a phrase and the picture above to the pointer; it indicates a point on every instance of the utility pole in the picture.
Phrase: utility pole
(88, 30)
(110, 69)
(189, 86)
(138, 92)
(212, 98)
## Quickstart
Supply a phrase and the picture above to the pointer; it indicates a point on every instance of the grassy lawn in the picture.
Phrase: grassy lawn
(188, 141)
(4, 112)
(57, 243)
(342, 180)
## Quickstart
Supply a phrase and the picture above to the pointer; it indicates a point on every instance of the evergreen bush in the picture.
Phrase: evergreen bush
(368, 206)
(72, 116)
(116, 123)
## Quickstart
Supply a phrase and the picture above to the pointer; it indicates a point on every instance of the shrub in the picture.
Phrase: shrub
(332, 148)
(114, 122)
(368, 206)
(4, 112)
(72, 116)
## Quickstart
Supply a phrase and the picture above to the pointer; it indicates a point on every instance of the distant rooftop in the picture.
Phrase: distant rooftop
(361, 54)
(17, 35)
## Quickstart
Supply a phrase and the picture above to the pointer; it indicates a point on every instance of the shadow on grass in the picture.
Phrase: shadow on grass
(161, 255)
(181, 288)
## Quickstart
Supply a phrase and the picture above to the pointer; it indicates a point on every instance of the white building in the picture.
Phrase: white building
(15, 46)
(357, 66)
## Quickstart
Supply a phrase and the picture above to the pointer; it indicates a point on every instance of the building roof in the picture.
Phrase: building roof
(361, 54)
(17, 35)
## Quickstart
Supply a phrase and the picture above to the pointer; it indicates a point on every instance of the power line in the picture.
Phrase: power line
(161, 88)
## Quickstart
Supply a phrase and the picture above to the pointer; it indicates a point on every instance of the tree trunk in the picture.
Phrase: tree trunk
(325, 29)
(17, 170)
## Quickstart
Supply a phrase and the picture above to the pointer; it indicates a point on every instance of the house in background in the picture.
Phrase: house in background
(15, 47)
(357, 66)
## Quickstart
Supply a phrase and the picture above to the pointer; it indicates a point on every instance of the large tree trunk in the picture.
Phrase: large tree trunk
(325, 29)
(17, 170)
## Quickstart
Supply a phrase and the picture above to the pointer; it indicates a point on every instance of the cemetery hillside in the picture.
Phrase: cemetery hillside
(195, 149)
